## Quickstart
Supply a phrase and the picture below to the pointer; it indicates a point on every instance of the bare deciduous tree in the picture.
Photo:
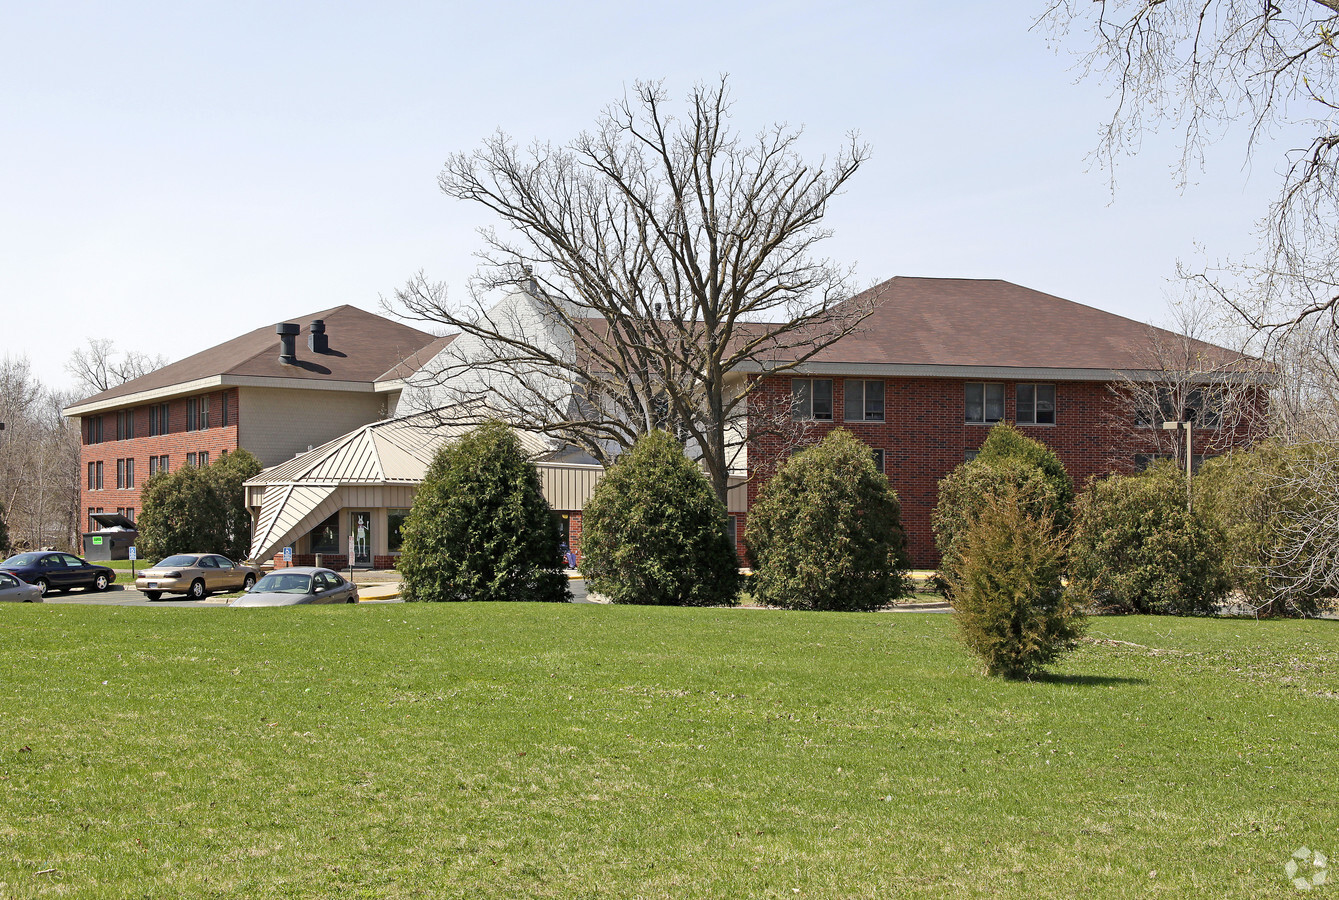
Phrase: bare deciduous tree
(1203, 65)
(1188, 377)
(39, 460)
(655, 261)
(96, 369)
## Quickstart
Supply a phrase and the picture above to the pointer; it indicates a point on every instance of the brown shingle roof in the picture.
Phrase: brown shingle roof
(993, 323)
(420, 358)
(363, 346)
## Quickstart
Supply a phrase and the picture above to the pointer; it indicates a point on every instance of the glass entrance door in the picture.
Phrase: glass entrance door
(360, 533)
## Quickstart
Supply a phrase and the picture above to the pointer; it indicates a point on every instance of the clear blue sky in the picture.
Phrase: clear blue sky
(174, 174)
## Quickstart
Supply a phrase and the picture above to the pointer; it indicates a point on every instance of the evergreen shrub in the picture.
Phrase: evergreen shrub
(1136, 548)
(654, 531)
(826, 532)
(198, 510)
(1256, 499)
(1009, 604)
(479, 527)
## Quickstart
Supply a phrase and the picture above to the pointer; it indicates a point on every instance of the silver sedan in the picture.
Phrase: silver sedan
(13, 590)
(297, 585)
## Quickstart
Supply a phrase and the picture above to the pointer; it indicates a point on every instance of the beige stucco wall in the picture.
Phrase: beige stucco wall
(276, 424)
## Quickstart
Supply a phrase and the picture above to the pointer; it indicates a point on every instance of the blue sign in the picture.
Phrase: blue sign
(132, 552)
(288, 554)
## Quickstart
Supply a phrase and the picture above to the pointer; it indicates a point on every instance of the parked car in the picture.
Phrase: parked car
(54, 571)
(195, 575)
(300, 584)
(14, 591)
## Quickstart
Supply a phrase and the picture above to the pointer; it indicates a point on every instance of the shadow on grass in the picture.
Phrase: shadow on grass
(1086, 680)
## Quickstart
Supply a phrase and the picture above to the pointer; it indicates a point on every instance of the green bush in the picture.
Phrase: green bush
(826, 532)
(181, 513)
(964, 491)
(1010, 607)
(198, 509)
(1007, 459)
(1252, 497)
(1136, 548)
(479, 528)
(654, 532)
(228, 474)
(1007, 442)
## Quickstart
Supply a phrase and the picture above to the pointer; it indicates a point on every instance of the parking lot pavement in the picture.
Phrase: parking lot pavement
(126, 595)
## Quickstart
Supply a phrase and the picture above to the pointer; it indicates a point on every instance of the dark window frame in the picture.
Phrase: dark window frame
(861, 387)
(985, 389)
(804, 394)
(1034, 404)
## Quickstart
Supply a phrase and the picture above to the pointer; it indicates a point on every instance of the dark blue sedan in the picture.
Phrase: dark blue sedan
(54, 571)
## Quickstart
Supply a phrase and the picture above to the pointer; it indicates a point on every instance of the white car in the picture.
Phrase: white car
(12, 590)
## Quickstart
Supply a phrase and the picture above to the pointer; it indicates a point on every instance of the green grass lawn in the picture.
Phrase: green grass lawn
(594, 751)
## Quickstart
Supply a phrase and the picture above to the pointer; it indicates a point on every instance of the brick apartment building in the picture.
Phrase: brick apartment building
(942, 360)
(276, 394)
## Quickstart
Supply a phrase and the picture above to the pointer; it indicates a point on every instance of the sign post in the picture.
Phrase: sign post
(288, 556)
(132, 560)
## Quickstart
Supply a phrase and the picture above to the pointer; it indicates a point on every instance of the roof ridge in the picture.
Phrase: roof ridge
(266, 349)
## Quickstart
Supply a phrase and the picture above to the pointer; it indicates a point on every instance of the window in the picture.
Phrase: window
(811, 398)
(190, 459)
(395, 519)
(92, 526)
(203, 458)
(204, 412)
(158, 423)
(732, 532)
(97, 469)
(223, 410)
(130, 472)
(92, 477)
(157, 464)
(325, 537)
(120, 474)
(93, 430)
(971, 455)
(878, 458)
(984, 402)
(1201, 406)
(864, 401)
(1036, 404)
(125, 425)
(191, 416)
(130, 513)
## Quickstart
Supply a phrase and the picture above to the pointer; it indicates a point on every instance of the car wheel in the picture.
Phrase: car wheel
(197, 591)
(100, 583)
(153, 595)
(43, 585)
(249, 583)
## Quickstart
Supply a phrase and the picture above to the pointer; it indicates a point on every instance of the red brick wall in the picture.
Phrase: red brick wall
(175, 444)
(924, 436)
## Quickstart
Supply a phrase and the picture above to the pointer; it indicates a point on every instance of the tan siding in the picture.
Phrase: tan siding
(277, 424)
(568, 487)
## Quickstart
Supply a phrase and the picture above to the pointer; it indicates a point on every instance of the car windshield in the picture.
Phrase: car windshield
(178, 561)
(23, 559)
(284, 583)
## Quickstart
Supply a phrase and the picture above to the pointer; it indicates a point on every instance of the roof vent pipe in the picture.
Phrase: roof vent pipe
(288, 335)
(317, 340)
